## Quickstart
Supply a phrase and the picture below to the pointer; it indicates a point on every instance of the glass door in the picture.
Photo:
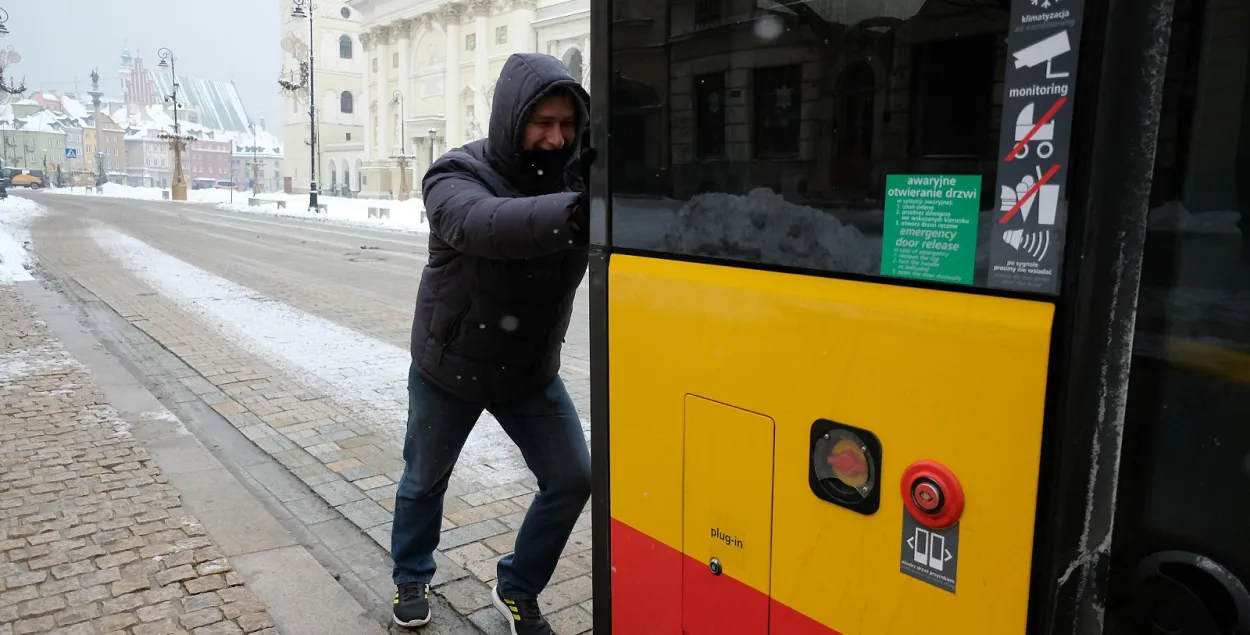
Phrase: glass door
(1181, 550)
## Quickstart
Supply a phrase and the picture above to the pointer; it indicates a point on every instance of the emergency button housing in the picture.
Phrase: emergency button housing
(932, 494)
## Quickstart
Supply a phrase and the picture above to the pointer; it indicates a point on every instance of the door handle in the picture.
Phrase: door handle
(1184, 593)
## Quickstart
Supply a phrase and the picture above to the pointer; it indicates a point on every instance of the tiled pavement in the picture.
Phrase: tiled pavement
(93, 539)
(347, 464)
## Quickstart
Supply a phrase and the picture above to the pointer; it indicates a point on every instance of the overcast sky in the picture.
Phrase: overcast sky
(60, 41)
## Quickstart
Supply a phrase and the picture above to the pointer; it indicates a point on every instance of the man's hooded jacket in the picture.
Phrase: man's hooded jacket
(505, 259)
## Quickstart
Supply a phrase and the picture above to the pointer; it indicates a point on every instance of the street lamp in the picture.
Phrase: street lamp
(298, 12)
(255, 161)
(432, 134)
(403, 157)
(177, 141)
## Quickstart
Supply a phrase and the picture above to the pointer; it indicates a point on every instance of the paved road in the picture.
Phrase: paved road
(355, 287)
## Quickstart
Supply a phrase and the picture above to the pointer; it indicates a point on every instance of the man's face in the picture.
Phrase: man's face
(552, 124)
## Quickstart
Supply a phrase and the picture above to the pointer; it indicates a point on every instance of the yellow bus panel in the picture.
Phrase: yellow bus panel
(746, 365)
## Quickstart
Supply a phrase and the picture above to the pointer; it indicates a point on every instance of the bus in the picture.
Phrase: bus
(920, 316)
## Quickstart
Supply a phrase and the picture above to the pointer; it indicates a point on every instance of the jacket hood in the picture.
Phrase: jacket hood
(525, 80)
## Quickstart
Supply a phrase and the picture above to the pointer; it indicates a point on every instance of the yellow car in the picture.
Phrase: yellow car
(32, 179)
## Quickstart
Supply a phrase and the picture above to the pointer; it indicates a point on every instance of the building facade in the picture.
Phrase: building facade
(339, 59)
(112, 142)
(208, 159)
(149, 161)
(33, 142)
(262, 149)
(426, 80)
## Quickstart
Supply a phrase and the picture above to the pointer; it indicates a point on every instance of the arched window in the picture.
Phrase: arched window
(573, 62)
(345, 47)
(345, 103)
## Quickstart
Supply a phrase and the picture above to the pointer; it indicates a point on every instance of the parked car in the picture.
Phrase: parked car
(17, 177)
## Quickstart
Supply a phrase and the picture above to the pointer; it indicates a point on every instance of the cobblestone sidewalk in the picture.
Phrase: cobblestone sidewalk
(93, 540)
(319, 440)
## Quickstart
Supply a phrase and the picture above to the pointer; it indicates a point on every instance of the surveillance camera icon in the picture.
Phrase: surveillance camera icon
(1045, 51)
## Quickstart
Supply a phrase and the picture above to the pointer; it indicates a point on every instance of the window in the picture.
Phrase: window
(1188, 388)
(345, 12)
(501, 35)
(470, 42)
(394, 60)
(345, 46)
(774, 151)
(349, 136)
(953, 93)
(778, 96)
(709, 115)
(375, 64)
(345, 103)
(707, 10)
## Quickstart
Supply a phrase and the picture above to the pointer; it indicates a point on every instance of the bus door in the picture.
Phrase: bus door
(863, 280)
(1180, 556)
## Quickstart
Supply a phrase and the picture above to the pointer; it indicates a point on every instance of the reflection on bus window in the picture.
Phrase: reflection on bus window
(1187, 442)
(763, 132)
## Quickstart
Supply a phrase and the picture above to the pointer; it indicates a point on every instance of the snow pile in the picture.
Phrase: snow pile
(1173, 216)
(115, 190)
(407, 216)
(763, 227)
(15, 215)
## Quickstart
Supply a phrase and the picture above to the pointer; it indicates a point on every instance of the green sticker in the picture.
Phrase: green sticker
(930, 228)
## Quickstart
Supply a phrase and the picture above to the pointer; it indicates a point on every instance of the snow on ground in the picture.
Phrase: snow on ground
(362, 373)
(15, 215)
(114, 190)
(49, 357)
(407, 216)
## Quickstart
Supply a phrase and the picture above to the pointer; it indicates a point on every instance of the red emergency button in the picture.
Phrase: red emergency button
(927, 496)
(932, 494)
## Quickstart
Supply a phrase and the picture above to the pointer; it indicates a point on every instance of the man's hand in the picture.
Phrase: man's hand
(579, 216)
(579, 219)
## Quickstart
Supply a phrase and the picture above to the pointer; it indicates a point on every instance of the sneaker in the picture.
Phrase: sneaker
(523, 615)
(412, 604)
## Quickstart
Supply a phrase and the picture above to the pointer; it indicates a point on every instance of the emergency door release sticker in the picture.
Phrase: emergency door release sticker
(931, 227)
(1031, 216)
(930, 555)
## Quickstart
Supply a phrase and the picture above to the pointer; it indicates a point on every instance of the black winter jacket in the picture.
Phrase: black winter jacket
(497, 292)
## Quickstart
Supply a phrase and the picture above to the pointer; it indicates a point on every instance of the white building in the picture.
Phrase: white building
(339, 61)
(443, 57)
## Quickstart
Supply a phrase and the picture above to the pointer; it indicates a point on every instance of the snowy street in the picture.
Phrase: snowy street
(297, 333)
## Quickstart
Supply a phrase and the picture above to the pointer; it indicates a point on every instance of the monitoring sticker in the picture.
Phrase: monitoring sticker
(930, 555)
(930, 228)
(1030, 224)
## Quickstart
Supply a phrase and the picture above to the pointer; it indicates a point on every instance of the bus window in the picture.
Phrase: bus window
(1186, 452)
(791, 134)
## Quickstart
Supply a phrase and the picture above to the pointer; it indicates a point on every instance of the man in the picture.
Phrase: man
(508, 249)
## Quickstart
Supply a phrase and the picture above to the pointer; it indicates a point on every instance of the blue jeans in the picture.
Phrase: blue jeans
(548, 432)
